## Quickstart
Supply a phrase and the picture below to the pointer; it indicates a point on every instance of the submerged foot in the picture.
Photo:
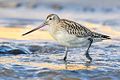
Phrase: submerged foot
(88, 63)
(88, 57)
(64, 58)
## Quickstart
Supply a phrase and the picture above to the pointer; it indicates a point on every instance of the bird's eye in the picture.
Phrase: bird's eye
(50, 18)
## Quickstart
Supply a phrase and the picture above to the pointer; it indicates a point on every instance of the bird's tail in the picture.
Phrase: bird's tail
(102, 36)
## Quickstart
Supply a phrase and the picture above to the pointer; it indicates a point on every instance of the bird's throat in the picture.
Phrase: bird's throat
(52, 29)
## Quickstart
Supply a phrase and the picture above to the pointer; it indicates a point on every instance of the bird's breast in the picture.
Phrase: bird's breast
(70, 40)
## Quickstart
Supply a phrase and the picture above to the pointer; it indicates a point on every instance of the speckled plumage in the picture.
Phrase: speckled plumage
(79, 30)
(70, 33)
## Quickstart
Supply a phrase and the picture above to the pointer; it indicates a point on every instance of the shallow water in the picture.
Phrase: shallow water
(31, 58)
(43, 61)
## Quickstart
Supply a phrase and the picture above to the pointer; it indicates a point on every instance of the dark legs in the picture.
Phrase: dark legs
(87, 52)
(66, 52)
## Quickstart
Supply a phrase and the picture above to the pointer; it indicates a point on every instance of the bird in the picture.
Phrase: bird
(70, 34)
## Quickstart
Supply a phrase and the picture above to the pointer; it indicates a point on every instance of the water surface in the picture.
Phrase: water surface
(38, 56)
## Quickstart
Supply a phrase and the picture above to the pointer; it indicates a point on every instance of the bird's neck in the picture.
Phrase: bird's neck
(52, 29)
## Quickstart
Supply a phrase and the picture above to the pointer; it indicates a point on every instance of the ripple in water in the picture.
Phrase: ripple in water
(43, 60)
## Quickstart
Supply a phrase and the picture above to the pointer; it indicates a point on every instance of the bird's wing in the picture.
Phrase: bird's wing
(98, 35)
(76, 29)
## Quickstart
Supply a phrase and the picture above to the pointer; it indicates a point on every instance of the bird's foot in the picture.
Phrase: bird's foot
(88, 63)
(65, 58)
(88, 57)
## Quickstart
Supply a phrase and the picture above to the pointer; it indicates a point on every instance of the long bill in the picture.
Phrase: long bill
(34, 29)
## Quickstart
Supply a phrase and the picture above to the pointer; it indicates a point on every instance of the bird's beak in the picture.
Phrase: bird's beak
(35, 29)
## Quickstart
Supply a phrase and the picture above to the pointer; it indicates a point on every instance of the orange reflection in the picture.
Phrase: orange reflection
(16, 33)
(53, 66)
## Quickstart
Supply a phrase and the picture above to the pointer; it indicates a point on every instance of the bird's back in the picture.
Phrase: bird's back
(80, 31)
(74, 28)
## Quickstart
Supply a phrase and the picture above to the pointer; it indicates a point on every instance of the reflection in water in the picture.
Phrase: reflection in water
(47, 62)
(66, 66)
(73, 66)
(16, 33)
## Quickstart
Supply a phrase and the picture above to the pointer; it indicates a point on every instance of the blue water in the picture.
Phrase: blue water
(105, 58)
(106, 54)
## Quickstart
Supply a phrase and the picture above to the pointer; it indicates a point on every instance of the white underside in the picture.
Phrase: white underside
(69, 40)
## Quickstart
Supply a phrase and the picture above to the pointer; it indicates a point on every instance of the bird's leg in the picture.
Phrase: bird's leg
(66, 52)
(87, 52)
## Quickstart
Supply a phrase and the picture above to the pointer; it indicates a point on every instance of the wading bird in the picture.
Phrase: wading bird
(70, 34)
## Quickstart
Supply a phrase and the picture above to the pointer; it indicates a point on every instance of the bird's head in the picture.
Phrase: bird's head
(51, 19)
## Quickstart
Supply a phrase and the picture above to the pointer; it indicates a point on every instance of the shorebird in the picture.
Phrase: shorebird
(70, 34)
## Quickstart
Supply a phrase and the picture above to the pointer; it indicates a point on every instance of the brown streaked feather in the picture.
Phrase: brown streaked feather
(98, 35)
(75, 28)
(80, 31)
